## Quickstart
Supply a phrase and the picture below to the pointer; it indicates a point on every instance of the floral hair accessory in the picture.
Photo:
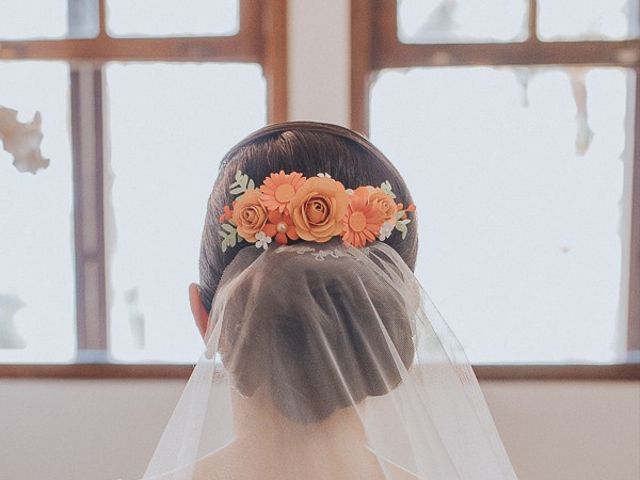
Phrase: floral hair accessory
(289, 206)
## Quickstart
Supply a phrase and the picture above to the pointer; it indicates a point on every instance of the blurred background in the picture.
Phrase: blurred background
(515, 123)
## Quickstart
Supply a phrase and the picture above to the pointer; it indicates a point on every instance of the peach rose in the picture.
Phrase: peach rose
(317, 209)
(249, 214)
(384, 203)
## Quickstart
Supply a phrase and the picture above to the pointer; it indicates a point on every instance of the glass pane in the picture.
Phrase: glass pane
(462, 21)
(172, 18)
(523, 178)
(37, 286)
(167, 138)
(588, 19)
(30, 19)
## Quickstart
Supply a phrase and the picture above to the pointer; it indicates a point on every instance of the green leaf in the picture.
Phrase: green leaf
(228, 228)
(229, 235)
(401, 226)
(242, 184)
(386, 188)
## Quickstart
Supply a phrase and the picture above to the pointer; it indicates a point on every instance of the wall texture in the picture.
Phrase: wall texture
(105, 430)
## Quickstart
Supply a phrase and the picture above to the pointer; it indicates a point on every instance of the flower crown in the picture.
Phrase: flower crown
(289, 206)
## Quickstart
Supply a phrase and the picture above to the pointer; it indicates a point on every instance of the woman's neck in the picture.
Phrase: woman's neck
(256, 417)
(269, 445)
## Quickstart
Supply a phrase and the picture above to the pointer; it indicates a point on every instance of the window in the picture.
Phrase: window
(36, 311)
(514, 123)
(139, 100)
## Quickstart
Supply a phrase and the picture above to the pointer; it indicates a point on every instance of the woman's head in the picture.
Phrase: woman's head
(308, 148)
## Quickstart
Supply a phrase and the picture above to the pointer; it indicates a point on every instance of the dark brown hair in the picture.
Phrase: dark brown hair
(308, 148)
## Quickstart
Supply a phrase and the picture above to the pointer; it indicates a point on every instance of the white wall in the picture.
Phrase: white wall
(319, 60)
(103, 430)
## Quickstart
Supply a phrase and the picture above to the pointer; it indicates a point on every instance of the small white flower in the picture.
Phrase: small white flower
(324, 175)
(262, 240)
(349, 191)
(385, 230)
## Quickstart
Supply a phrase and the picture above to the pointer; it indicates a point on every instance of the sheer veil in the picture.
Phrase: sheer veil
(326, 361)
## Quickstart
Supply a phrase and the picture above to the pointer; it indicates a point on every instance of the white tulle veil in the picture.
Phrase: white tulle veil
(326, 361)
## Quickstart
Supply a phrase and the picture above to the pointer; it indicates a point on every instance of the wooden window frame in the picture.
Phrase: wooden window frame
(375, 45)
(492, 373)
(261, 39)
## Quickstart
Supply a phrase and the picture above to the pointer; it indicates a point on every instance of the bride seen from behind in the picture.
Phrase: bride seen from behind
(339, 436)
(325, 358)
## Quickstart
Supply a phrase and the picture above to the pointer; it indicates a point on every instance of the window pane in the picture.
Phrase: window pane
(37, 286)
(167, 138)
(462, 21)
(172, 18)
(588, 19)
(523, 180)
(29, 19)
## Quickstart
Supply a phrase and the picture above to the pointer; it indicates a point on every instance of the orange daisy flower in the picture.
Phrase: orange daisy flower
(281, 226)
(279, 188)
(362, 221)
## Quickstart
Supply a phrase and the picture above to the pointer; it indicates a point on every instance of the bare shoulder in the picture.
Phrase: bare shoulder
(230, 462)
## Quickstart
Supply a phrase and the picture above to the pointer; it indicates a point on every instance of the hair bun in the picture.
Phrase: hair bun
(314, 332)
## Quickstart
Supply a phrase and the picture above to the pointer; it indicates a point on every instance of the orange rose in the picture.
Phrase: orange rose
(249, 214)
(317, 209)
(384, 203)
